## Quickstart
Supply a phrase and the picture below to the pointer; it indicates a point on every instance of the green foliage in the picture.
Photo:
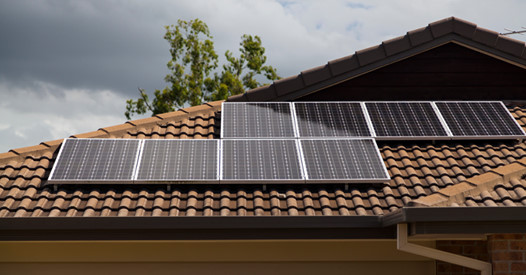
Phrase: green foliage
(193, 77)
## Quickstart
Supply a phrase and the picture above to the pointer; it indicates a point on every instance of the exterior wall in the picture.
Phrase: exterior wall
(212, 257)
(473, 249)
(506, 252)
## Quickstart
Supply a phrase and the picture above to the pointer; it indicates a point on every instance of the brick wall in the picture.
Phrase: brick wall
(472, 249)
(506, 252)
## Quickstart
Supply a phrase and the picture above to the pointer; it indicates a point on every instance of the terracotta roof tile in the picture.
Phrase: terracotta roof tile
(455, 173)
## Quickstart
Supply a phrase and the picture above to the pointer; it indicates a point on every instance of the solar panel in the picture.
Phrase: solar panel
(331, 119)
(95, 161)
(395, 120)
(343, 160)
(261, 160)
(479, 120)
(179, 160)
(256, 120)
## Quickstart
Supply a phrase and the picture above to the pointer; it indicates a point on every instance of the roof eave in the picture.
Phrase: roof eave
(193, 228)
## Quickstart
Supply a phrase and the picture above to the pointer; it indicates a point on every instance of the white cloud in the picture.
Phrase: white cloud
(44, 111)
(90, 56)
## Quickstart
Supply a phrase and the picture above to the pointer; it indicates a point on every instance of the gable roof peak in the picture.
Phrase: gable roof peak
(448, 30)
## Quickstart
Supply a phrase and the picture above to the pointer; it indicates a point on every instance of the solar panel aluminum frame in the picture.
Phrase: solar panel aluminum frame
(136, 180)
(350, 181)
(261, 181)
(409, 137)
(51, 180)
(292, 117)
(489, 137)
(364, 113)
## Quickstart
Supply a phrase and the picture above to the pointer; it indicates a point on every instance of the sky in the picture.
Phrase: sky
(68, 67)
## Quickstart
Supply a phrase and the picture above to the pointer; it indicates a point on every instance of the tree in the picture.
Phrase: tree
(193, 76)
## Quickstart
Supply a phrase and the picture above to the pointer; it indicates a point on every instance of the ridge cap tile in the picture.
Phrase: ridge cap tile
(464, 28)
(396, 45)
(238, 98)
(142, 121)
(442, 27)
(94, 134)
(371, 54)
(510, 171)
(420, 36)
(510, 45)
(485, 36)
(264, 93)
(344, 64)
(316, 74)
(288, 85)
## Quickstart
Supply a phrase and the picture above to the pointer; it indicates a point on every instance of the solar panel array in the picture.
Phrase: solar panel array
(216, 161)
(381, 120)
(283, 143)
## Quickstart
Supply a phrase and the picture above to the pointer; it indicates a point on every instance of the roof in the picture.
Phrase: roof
(423, 173)
(448, 30)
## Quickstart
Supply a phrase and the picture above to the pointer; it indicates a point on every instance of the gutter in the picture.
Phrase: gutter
(402, 244)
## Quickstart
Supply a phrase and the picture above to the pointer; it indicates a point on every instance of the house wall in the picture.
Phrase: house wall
(448, 72)
(211, 257)
(506, 252)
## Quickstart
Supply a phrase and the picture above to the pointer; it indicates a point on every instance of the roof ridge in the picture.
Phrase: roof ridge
(111, 131)
(473, 186)
(451, 29)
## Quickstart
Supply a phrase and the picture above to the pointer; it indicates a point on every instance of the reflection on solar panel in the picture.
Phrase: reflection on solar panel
(343, 160)
(331, 119)
(405, 119)
(179, 160)
(479, 119)
(256, 120)
(95, 160)
(260, 160)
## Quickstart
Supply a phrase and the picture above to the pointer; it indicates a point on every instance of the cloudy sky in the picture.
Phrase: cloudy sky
(67, 67)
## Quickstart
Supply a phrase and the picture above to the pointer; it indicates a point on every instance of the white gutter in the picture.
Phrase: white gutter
(403, 245)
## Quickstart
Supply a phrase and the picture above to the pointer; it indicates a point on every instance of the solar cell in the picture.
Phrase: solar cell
(343, 160)
(395, 120)
(95, 160)
(479, 120)
(256, 120)
(264, 160)
(179, 160)
(331, 119)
